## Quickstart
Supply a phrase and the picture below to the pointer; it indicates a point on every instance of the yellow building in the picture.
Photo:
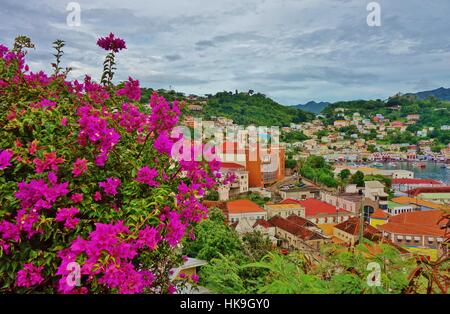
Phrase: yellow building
(378, 218)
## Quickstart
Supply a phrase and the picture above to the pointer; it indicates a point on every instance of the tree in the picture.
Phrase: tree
(344, 174)
(213, 238)
(371, 148)
(357, 178)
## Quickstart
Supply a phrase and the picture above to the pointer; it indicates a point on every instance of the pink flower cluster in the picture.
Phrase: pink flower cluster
(96, 130)
(111, 43)
(131, 118)
(110, 185)
(66, 215)
(116, 272)
(164, 116)
(5, 158)
(37, 194)
(131, 89)
(147, 175)
(50, 162)
(29, 276)
(79, 167)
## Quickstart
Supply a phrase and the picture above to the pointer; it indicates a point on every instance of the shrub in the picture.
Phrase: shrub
(91, 200)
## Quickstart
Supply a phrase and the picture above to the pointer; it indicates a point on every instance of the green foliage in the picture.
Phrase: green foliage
(293, 136)
(376, 177)
(315, 168)
(290, 163)
(344, 174)
(246, 109)
(212, 238)
(357, 178)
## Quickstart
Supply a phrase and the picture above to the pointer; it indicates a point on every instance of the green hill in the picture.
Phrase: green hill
(242, 108)
(433, 112)
(245, 109)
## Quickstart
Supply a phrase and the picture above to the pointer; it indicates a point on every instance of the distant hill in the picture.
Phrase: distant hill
(242, 107)
(440, 93)
(256, 109)
(312, 106)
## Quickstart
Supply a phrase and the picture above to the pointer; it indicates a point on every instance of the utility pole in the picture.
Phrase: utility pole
(361, 222)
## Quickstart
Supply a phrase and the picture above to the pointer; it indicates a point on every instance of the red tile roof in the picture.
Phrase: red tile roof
(436, 189)
(243, 206)
(379, 214)
(314, 207)
(352, 226)
(415, 181)
(417, 223)
(294, 229)
(264, 223)
(301, 221)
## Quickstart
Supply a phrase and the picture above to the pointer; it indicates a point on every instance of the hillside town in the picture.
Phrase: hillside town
(389, 206)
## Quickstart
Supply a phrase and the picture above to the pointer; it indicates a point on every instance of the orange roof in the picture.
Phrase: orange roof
(379, 214)
(416, 223)
(327, 228)
(231, 165)
(243, 206)
(412, 200)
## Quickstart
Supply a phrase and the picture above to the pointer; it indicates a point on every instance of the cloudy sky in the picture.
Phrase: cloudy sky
(291, 50)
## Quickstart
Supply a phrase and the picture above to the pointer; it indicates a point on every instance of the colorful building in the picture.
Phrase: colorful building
(420, 232)
(379, 217)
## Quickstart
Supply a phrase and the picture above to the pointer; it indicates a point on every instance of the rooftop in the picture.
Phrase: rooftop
(379, 214)
(415, 181)
(243, 206)
(437, 189)
(417, 223)
(413, 200)
(314, 207)
(231, 165)
(283, 206)
(294, 228)
(373, 184)
(352, 226)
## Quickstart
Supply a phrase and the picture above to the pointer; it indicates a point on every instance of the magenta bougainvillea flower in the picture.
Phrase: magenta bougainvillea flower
(175, 229)
(5, 158)
(97, 196)
(130, 89)
(66, 215)
(111, 43)
(79, 167)
(63, 121)
(110, 185)
(195, 278)
(148, 237)
(37, 194)
(121, 243)
(147, 176)
(50, 162)
(29, 276)
(77, 198)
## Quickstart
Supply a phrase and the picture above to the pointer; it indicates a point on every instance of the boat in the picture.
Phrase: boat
(420, 165)
(377, 165)
(392, 164)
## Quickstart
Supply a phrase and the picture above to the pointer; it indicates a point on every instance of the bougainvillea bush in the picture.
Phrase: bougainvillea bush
(87, 183)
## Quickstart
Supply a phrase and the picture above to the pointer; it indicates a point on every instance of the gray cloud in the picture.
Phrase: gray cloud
(293, 51)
